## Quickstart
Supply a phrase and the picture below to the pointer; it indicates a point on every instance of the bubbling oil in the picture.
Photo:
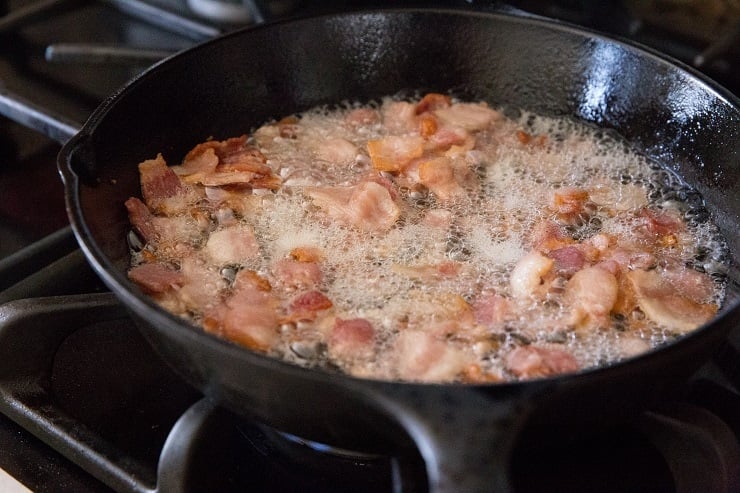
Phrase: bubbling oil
(382, 276)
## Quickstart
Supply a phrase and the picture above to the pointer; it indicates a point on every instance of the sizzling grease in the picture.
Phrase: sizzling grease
(504, 249)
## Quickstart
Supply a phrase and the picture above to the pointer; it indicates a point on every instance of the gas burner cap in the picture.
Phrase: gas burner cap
(226, 11)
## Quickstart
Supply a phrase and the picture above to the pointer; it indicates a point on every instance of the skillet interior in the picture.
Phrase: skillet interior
(228, 86)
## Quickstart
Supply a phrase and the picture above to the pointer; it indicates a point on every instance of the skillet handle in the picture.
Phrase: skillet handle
(464, 435)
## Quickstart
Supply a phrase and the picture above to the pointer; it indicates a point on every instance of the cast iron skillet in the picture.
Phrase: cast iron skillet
(230, 85)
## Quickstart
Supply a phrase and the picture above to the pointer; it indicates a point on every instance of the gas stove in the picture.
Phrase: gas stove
(85, 404)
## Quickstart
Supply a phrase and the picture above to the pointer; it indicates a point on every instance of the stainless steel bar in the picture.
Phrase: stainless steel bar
(103, 54)
(35, 256)
(722, 45)
(37, 118)
(31, 12)
(257, 9)
(166, 19)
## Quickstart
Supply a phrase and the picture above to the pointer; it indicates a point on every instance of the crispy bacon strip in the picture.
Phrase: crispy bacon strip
(141, 219)
(229, 162)
(161, 188)
(250, 315)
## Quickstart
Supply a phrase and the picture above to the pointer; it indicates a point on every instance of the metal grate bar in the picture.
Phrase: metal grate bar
(36, 117)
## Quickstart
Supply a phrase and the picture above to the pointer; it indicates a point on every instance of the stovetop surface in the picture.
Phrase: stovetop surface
(89, 390)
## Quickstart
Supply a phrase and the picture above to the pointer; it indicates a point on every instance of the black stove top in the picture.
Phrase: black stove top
(85, 405)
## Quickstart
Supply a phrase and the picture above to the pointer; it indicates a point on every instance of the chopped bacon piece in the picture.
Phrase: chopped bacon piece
(523, 136)
(630, 345)
(533, 362)
(694, 285)
(664, 305)
(470, 116)
(336, 151)
(200, 161)
(268, 182)
(253, 326)
(433, 101)
(237, 162)
(233, 244)
(162, 230)
(423, 357)
(289, 127)
(384, 182)
(438, 218)
(427, 125)
(439, 175)
(526, 280)
(294, 274)
(220, 179)
(600, 242)
(660, 222)
(306, 305)
(306, 254)
(235, 154)
(201, 286)
(362, 116)
(621, 197)
(446, 137)
(572, 205)
(250, 314)
(399, 117)
(393, 153)
(156, 278)
(368, 206)
(568, 260)
(569, 200)
(372, 207)
(474, 374)
(527, 138)
(592, 292)
(492, 309)
(548, 235)
(161, 187)
(612, 266)
(141, 219)
(352, 338)
(629, 258)
(429, 272)
(248, 280)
